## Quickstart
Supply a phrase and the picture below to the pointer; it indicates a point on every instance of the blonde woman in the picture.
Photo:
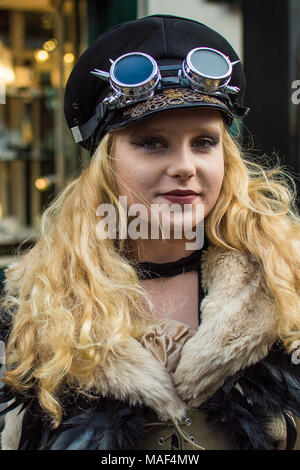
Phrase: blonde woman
(124, 335)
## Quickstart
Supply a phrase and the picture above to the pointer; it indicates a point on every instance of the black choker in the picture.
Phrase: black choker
(148, 270)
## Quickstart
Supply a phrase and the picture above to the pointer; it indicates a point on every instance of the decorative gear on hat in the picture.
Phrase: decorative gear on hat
(166, 99)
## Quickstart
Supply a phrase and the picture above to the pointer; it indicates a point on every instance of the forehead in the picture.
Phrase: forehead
(192, 118)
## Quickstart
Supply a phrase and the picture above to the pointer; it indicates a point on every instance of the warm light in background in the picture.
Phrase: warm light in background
(7, 74)
(40, 55)
(1, 212)
(43, 183)
(50, 45)
(69, 58)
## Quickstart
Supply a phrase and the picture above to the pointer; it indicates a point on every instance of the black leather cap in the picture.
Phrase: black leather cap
(168, 39)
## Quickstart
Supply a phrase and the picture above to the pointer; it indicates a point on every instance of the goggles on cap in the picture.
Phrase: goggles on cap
(136, 76)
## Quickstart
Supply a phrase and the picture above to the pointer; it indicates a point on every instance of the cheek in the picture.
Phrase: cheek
(134, 181)
(214, 184)
(215, 176)
(138, 173)
(219, 176)
(124, 167)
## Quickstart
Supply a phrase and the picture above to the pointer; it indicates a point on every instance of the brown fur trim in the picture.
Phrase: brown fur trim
(239, 325)
(132, 374)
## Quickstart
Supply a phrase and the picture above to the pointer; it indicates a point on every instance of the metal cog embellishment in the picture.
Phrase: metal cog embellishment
(191, 96)
(174, 97)
(211, 99)
(169, 97)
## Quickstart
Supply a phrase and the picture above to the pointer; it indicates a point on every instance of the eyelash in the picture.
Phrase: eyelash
(143, 143)
(210, 140)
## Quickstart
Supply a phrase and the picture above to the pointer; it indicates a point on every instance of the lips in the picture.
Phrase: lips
(180, 197)
(180, 192)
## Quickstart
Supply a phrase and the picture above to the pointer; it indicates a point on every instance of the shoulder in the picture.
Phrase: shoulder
(220, 265)
(260, 405)
(10, 436)
(7, 287)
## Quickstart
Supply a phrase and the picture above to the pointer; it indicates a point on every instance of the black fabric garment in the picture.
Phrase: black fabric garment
(189, 263)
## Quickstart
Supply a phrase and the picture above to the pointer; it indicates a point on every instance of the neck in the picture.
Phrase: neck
(166, 251)
(189, 262)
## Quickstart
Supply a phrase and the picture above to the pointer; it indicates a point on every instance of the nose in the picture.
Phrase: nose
(182, 162)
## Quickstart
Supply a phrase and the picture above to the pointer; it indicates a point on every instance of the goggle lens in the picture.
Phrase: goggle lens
(133, 69)
(209, 63)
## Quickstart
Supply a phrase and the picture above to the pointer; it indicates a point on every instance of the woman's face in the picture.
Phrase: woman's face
(173, 150)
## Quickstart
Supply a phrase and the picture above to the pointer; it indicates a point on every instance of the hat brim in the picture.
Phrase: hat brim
(164, 100)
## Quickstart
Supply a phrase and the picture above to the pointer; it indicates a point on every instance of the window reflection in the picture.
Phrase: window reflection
(38, 47)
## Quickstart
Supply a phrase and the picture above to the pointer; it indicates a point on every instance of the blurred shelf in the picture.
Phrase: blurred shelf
(13, 155)
(25, 93)
(11, 239)
(8, 155)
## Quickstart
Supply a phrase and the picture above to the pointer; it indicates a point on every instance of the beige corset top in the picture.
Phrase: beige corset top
(165, 341)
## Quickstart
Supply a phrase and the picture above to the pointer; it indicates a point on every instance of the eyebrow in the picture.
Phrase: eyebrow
(202, 129)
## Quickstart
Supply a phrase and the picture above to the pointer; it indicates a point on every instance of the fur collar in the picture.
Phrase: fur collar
(225, 359)
(238, 328)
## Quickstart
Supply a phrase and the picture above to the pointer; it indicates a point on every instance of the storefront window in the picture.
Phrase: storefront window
(39, 42)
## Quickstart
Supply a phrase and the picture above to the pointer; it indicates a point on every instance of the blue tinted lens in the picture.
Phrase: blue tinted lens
(209, 63)
(133, 69)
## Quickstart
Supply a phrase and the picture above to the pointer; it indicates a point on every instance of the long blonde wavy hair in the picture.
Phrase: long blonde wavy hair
(73, 295)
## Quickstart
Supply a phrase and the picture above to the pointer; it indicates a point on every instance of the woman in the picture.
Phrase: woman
(122, 339)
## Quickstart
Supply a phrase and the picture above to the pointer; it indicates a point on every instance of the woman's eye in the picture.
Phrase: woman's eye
(150, 144)
(204, 142)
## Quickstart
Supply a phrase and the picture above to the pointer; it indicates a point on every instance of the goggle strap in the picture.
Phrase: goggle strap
(171, 81)
(169, 67)
(83, 132)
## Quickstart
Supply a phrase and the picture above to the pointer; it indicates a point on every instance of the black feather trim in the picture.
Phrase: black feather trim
(291, 431)
(270, 388)
(7, 394)
(88, 424)
(101, 424)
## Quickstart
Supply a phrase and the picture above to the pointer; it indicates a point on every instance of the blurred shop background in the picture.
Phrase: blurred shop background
(40, 41)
